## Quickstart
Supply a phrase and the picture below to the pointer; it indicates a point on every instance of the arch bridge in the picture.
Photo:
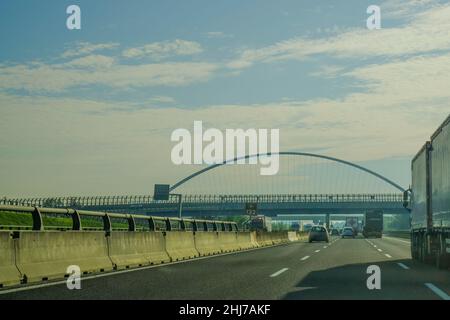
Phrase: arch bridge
(234, 204)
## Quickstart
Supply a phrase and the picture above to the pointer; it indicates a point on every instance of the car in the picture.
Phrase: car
(334, 232)
(318, 233)
(348, 232)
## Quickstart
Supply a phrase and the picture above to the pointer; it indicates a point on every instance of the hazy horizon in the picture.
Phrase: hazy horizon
(91, 111)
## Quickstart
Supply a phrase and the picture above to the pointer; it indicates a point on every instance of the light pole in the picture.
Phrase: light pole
(180, 202)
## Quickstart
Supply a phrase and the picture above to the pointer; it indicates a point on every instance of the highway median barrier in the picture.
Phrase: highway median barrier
(302, 235)
(9, 274)
(292, 236)
(46, 252)
(228, 241)
(264, 238)
(279, 237)
(253, 239)
(207, 243)
(46, 255)
(180, 245)
(136, 249)
(246, 241)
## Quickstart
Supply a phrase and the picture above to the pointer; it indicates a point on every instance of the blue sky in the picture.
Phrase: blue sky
(92, 110)
(222, 29)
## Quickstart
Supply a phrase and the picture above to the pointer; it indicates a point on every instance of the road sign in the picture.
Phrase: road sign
(161, 192)
(251, 208)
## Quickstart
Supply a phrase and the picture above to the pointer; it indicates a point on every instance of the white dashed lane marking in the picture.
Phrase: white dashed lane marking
(304, 258)
(380, 250)
(437, 291)
(402, 265)
(276, 274)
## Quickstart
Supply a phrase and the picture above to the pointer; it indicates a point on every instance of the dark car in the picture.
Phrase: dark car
(318, 233)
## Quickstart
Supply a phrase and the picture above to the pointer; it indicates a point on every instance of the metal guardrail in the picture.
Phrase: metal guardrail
(71, 202)
(153, 223)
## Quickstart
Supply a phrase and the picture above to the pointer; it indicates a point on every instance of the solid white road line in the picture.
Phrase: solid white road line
(387, 255)
(397, 239)
(402, 265)
(317, 251)
(279, 272)
(304, 258)
(437, 291)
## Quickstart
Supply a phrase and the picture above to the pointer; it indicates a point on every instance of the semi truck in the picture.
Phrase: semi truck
(261, 223)
(352, 222)
(430, 200)
(373, 224)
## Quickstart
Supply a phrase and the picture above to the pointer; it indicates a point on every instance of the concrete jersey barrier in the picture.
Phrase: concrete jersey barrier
(228, 241)
(245, 240)
(135, 249)
(279, 237)
(292, 236)
(46, 255)
(207, 243)
(264, 239)
(302, 235)
(9, 274)
(253, 239)
(180, 245)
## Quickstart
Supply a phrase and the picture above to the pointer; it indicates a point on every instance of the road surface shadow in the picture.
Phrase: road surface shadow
(349, 282)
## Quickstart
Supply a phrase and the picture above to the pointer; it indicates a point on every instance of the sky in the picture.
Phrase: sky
(91, 111)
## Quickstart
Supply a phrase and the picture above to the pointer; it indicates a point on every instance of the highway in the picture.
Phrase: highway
(298, 270)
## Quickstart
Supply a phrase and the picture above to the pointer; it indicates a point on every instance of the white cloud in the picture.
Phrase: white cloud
(420, 80)
(78, 142)
(162, 99)
(85, 48)
(328, 71)
(405, 9)
(83, 68)
(92, 61)
(73, 142)
(164, 49)
(218, 34)
(427, 32)
(101, 70)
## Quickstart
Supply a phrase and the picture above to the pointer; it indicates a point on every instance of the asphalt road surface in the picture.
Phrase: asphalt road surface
(301, 270)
